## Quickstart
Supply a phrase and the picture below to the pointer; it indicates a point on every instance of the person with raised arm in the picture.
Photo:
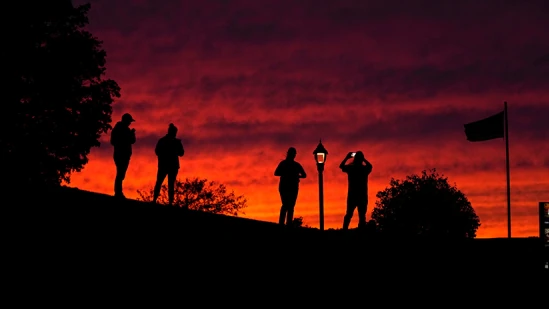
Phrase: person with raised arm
(357, 171)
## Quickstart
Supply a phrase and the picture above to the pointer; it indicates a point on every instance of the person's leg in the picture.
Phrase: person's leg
(349, 212)
(362, 207)
(292, 199)
(172, 175)
(283, 209)
(160, 176)
(117, 180)
(121, 169)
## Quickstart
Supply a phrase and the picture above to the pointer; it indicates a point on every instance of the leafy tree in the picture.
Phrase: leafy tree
(200, 194)
(57, 104)
(424, 205)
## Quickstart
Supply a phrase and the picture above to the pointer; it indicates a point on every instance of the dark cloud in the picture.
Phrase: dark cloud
(390, 85)
(422, 129)
(462, 55)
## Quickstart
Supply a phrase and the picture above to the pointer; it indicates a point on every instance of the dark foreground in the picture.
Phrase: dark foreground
(83, 241)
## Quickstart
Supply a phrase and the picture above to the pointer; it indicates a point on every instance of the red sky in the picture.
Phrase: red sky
(397, 79)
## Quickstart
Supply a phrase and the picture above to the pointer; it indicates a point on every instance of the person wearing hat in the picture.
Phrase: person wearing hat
(290, 172)
(122, 138)
(168, 150)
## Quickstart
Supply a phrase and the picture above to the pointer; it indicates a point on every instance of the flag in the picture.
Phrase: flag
(485, 129)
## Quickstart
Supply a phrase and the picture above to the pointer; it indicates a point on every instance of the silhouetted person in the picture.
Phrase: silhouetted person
(122, 138)
(289, 172)
(168, 150)
(357, 192)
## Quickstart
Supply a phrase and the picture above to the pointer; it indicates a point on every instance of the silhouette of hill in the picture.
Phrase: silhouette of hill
(86, 236)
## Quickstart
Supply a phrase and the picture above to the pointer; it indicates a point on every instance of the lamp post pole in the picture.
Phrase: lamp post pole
(320, 168)
(320, 154)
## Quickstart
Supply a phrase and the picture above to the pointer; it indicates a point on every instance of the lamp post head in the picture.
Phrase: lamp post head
(320, 154)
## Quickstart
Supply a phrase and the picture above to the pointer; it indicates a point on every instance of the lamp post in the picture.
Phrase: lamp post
(320, 154)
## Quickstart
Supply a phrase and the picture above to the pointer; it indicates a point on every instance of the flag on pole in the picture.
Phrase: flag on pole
(486, 129)
(495, 126)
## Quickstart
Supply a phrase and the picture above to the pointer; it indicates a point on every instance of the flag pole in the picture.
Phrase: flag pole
(507, 168)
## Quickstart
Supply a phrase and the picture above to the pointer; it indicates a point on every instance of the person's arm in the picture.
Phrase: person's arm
(132, 136)
(157, 149)
(368, 166)
(114, 136)
(347, 157)
(302, 173)
(278, 171)
(180, 149)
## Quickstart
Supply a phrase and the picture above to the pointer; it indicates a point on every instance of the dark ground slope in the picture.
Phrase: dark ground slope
(84, 236)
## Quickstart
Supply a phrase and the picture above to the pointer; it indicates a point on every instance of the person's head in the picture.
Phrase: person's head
(172, 130)
(359, 157)
(290, 155)
(127, 119)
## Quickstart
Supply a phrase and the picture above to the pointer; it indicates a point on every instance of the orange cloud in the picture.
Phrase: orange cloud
(244, 83)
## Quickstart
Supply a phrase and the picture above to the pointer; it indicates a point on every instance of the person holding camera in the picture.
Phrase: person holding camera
(122, 138)
(168, 150)
(357, 192)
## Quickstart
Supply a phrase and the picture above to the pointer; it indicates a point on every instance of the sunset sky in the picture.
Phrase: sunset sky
(397, 79)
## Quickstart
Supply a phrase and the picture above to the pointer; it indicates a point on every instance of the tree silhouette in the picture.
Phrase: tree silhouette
(200, 194)
(424, 205)
(298, 222)
(56, 103)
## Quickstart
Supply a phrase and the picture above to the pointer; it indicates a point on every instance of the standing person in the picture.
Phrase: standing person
(122, 138)
(168, 150)
(357, 191)
(289, 172)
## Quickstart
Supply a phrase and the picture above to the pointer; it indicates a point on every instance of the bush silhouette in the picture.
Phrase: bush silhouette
(424, 205)
(200, 194)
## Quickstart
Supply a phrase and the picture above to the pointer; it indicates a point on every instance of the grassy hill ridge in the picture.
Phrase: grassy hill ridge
(68, 227)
